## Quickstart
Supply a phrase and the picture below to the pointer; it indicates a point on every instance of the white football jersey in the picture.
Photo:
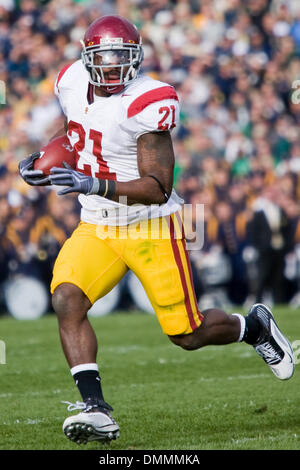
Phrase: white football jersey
(104, 132)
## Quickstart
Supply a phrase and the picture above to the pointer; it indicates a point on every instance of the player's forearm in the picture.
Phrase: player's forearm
(144, 190)
(151, 188)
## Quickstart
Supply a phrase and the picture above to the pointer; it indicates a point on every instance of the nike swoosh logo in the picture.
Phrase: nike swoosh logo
(291, 358)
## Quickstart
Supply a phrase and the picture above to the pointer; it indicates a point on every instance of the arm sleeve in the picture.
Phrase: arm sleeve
(160, 116)
(59, 87)
(154, 110)
(60, 95)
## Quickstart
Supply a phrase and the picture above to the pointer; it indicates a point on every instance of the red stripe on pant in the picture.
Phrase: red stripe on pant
(188, 262)
(182, 276)
(191, 278)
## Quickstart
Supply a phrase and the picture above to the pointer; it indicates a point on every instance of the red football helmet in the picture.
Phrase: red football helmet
(112, 52)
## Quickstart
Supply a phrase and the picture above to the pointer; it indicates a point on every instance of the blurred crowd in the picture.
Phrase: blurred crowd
(234, 64)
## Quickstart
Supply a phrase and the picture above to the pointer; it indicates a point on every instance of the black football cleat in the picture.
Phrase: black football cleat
(272, 345)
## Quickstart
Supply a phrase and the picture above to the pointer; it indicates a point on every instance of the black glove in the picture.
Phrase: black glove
(31, 176)
(80, 183)
(76, 182)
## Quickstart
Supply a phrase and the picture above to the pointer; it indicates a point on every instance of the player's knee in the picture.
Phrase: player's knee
(68, 299)
(188, 342)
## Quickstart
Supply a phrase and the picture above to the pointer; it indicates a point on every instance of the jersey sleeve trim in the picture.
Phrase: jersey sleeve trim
(152, 96)
(61, 73)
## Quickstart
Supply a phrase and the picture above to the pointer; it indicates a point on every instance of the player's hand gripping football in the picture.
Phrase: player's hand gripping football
(31, 176)
(76, 182)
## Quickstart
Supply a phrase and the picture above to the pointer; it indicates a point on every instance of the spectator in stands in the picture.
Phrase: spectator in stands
(232, 66)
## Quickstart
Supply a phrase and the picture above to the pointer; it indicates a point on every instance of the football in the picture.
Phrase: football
(56, 152)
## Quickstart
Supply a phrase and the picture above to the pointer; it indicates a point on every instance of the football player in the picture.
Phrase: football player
(119, 122)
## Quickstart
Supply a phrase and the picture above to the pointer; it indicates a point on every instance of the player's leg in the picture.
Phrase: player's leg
(258, 329)
(216, 328)
(77, 336)
(163, 267)
(85, 270)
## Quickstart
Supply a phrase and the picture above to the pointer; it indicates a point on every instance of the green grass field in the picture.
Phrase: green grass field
(220, 397)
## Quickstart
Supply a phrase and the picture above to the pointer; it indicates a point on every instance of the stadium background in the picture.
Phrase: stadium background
(233, 64)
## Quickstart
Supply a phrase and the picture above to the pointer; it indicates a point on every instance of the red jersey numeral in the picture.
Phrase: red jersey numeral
(104, 172)
(162, 125)
(79, 130)
(96, 137)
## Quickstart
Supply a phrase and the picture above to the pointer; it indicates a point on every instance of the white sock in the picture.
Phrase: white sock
(243, 326)
(89, 366)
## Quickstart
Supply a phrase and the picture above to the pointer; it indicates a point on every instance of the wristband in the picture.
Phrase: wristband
(104, 188)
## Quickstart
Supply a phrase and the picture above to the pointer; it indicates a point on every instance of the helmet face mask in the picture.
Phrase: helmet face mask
(112, 53)
(124, 60)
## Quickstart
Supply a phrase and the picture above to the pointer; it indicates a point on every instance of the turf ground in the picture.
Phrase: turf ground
(220, 397)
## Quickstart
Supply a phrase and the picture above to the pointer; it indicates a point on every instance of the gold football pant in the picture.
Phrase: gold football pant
(96, 257)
